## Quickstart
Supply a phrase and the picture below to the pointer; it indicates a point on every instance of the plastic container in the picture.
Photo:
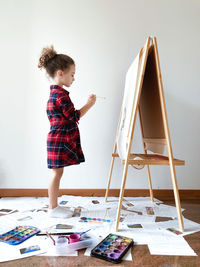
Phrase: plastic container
(62, 245)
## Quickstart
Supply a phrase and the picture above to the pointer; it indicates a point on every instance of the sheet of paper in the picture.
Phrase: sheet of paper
(23, 203)
(173, 246)
(28, 248)
(139, 236)
(136, 219)
(142, 200)
(190, 227)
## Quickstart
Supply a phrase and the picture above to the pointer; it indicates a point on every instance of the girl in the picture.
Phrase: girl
(63, 141)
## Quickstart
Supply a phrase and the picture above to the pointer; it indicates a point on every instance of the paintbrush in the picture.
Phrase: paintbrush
(84, 232)
(103, 97)
(57, 233)
(54, 242)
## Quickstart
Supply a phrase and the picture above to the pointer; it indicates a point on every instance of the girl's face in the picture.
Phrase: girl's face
(65, 77)
(68, 76)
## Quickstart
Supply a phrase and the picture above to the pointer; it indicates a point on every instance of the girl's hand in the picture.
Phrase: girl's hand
(91, 100)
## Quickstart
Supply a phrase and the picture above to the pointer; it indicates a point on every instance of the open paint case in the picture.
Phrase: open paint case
(112, 248)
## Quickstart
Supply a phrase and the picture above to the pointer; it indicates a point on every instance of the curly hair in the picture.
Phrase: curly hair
(51, 61)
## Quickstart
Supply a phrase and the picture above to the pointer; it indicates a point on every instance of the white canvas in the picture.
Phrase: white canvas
(130, 94)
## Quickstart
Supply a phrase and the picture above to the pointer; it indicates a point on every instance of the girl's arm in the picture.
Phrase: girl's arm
(91, 101)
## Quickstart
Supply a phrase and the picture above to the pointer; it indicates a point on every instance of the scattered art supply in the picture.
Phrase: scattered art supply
(63, 202)
(62, 239)
(95, 201)
(65, 244)
(61, 245)
(129, 204)
(63, 226)
(94, 220)
(150, 211)
(121, 219)
(42, 209)
(163, 219)
(77, 212)
(129, 209)
(134, 211)
(112, 248)
(5, 211)
(158, 204)
(32, 210)
(25, 218)
(29, 249)
(175, 231)
(71, 237)
(134, 225)
(74, 238)
(83, 233)
(57, 233)
(18, 235)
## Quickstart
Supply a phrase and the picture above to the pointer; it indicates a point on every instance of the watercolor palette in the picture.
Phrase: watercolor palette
(112, 248)
(18, 235)
(94, 220)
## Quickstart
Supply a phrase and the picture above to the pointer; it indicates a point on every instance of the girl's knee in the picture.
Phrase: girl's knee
(58, 172)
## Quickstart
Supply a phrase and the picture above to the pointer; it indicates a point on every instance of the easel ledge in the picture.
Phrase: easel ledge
(150, 159)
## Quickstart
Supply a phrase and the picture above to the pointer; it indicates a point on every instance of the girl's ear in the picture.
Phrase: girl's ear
(59, 73)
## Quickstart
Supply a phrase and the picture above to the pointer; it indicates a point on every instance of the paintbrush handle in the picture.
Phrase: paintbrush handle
(54, 242)
(103, 97)
(84, 232)
(68, 233)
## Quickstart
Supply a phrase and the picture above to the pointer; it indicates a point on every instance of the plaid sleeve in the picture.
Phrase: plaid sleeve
(67, 107)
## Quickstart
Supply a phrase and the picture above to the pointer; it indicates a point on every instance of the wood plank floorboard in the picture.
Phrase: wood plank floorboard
(140, 253)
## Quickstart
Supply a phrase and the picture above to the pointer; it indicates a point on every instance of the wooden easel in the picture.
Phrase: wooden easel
(150, 104)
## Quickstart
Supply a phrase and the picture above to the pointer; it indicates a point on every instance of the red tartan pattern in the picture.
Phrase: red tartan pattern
(63, 140)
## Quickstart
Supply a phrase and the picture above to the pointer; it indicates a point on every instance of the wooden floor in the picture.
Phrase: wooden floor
(140, 254)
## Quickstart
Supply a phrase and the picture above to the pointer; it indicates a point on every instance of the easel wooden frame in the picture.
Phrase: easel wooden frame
(148, 159)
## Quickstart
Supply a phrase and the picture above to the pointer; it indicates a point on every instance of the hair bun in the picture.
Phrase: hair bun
(47, 54)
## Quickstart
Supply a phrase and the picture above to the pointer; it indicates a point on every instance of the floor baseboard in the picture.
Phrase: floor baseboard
(162, 194)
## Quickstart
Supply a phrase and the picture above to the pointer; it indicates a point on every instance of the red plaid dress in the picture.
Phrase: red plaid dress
(63, 141)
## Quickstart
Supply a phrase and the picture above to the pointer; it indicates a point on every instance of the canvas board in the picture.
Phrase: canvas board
(141, 92)
(130, 102)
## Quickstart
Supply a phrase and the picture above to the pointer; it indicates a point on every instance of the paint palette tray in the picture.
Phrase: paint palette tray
(18, 234)
(94, 220)
(112, 248)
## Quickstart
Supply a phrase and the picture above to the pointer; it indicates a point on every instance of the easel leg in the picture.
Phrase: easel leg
(110, 175)
(150, 184)
(145, 151)
(121, 195)
(164, 114)
(176, 196)
(113, 158)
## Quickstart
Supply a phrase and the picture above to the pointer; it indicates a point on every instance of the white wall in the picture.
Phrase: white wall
(103, 37)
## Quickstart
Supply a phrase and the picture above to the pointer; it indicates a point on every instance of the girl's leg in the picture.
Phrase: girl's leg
(54, 188)
(56, 211)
